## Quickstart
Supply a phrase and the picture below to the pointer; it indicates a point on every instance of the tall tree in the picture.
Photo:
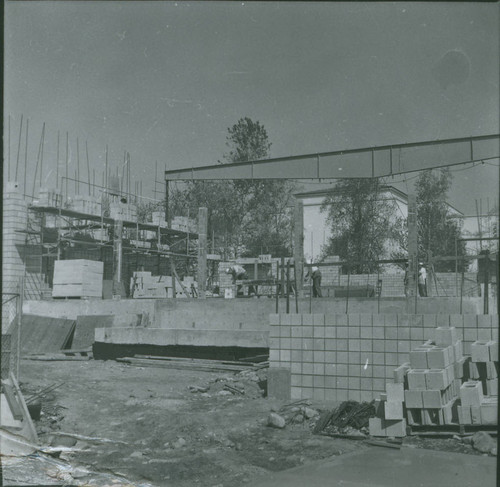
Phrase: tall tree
(245, 217)
(438, 229)
(361, 222)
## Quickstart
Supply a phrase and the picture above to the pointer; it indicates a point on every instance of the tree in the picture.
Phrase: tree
(438, 230)
(245, 217)
(361, 222)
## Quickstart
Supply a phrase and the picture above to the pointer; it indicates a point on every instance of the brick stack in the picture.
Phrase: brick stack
(79, 278)
(479, 395)
(437, 389)
(390, 420)
(144, 285)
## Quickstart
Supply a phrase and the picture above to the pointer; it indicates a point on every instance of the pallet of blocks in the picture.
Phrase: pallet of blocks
(144, 285)
(479, 394)
(426, 390)
(79, 278)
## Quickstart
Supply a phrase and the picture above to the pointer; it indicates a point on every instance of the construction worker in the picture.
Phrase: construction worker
(422, 280)
(315, 275)
(239, 274)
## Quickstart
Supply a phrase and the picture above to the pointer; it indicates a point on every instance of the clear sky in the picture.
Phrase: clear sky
(164, 80)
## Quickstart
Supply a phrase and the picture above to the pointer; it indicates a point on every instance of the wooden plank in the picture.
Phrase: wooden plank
(195, 360)
(180, 365)
(42, 334)
(26, 415)
(15, 408)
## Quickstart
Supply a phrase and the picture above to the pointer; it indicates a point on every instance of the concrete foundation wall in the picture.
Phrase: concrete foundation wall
(198, 338)
(72, 308)
(336, 357)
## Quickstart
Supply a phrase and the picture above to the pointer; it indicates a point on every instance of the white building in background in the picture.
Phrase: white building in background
(316, 228)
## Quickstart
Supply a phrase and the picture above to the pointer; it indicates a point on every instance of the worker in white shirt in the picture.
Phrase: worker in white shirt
(239, 274)
(422, 280)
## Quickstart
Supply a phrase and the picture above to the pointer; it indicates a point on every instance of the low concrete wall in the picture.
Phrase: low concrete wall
(252, 314)
(72, 308)
(336, 357)
(199, 338)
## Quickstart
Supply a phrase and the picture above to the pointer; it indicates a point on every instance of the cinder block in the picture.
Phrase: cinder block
(450, 372)
(418, 358)
(438, 358)
(473, 370)
(475, 413)
(413, 399)
(432, 417)
(414, 416)
(400, 373)
(492, 387)
(489, 411)
(445, 336)
(458, 349)
(396, 428)
(493, 349)
(464, 416)
(416, 378)
(480, 351)
(432, 399)
(436, 379)
(274, 319)
(393, 410)
(279, 383)
(484, 334)
(377, 427)
(491, 370)
(471, 393)
(395, 392)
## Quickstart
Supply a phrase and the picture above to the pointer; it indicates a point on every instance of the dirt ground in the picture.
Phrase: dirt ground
(173, 427)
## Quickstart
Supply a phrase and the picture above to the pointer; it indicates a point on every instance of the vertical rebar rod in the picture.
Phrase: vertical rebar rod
(77, 182)
(288, 287)
(26, 156)
(106, 169)
(8, 151)
(88, 163)
(57, 162)
(67, 162)
(41, 154)
(19, 145)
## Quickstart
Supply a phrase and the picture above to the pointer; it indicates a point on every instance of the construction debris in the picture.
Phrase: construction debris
(276, 421)
(349, 416)
(484, 443)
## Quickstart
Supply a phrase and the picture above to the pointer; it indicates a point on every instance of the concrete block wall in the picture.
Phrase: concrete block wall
(338, 357)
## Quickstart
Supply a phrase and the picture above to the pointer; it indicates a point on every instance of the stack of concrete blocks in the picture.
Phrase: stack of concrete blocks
(158, 218)
(330, 274)
(51, 198)
(184, 224)
(479, 395)
(389, 407)
(123, 211)
(79, 278)
(90, 205)
(434, 379)
(144, 285)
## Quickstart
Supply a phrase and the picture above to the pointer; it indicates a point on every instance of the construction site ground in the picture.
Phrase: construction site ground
(144, 425)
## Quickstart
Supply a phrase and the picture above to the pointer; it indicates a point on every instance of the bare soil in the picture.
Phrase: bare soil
(152, 428)
(157, 426)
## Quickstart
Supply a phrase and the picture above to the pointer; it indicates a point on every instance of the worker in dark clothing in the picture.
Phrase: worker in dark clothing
(239, 274)
(315, 275)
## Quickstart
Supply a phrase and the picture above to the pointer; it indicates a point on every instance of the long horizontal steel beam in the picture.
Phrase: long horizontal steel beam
(369, 162)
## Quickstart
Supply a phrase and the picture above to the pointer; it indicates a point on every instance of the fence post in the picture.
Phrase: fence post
(19, 321)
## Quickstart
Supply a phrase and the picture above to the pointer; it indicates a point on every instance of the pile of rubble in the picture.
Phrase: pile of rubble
(251, 384)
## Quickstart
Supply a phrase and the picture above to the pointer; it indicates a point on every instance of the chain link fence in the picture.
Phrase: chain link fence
(11, 305)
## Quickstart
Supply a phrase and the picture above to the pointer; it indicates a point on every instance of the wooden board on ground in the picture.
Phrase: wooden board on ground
(42, 334)
(180, 364)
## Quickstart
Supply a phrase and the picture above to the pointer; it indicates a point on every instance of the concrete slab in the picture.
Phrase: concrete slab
(40, 334)
(384, 467)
